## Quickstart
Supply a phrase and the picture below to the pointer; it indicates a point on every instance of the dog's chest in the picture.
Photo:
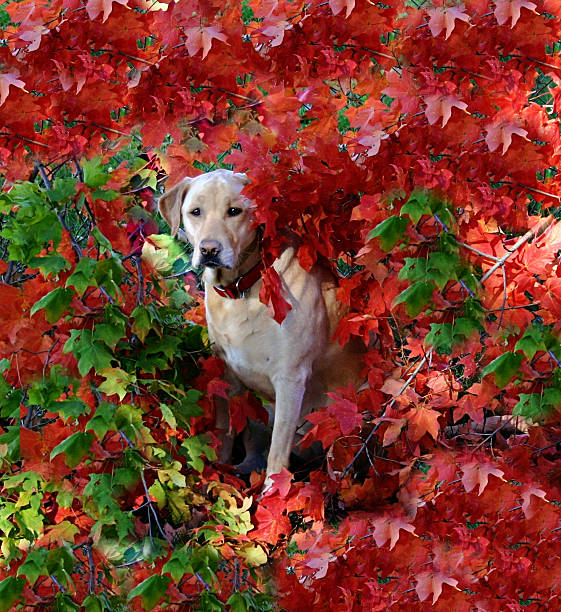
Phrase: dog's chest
(244, 336)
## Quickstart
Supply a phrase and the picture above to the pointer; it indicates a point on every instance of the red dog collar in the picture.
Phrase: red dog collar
(238, 288)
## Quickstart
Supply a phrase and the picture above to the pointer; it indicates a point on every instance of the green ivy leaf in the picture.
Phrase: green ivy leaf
(103, 242)
(179, 563)
(142, 322)
(390, 232)
(416, 297)
(157, 490)
(107, 195)
(64, 603)
(152, 590)
(75, 448)
(237, 603)
(55, 303)
(93, 603)
(32, 227)
(10, 592)
(209, 602)
(504, 367)
(441, 268)
(415, 269)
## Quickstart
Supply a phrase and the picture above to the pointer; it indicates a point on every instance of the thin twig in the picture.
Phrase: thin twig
(523, 239)
(504, 298)
(424, 360)
(140, 293)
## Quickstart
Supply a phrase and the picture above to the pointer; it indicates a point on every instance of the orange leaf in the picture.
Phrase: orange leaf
(422, 420)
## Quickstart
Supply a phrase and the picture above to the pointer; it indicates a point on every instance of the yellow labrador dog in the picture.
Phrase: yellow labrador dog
(293, 364)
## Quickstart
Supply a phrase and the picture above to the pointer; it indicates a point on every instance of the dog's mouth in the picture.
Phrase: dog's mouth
(213, 262)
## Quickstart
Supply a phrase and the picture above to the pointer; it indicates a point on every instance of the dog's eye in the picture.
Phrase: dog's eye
(234, 212)
(196, 212)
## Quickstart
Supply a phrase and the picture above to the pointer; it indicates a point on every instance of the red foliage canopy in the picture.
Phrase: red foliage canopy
(415, 147)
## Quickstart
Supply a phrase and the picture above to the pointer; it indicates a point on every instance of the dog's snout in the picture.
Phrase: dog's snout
(210, 248)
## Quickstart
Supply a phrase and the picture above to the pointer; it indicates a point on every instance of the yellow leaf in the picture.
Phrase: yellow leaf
(253, 554)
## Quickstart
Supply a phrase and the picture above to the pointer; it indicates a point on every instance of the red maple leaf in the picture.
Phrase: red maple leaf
(445, 17)
(505, 9)
(422, 420)
(477, 472)
(388, 528)
(201, 37)
(501, 133)
(441, 106)
(94, 7)
(338, 5)
(431, 582)
(271, 521)
(529, 502)
(244, 407)
(7, 79)
(271, 295)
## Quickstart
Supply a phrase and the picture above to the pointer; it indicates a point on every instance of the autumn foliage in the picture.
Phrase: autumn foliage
(414, 146)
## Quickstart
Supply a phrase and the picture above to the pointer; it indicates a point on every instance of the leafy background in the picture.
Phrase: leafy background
(414, 147)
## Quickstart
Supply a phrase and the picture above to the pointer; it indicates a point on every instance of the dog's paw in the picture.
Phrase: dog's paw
(252, 463)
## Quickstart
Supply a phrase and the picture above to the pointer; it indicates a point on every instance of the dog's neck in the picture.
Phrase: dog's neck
(248, 258)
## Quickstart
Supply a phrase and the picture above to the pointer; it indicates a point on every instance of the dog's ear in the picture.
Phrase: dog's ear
(170, 204)
(242, 176)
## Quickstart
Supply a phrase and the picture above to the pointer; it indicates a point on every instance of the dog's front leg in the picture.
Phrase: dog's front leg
(289, 393)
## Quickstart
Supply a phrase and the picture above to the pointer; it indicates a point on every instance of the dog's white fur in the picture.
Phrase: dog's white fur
(293, 364)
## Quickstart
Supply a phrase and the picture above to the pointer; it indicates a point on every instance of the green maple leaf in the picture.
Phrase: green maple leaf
(83, 276)
(90, 354)
(75, 448)
(10, 591)
(504, 367)
(415, 297)
(95, 175)
(417, 205)
(49, 264)
(55, 303)
(531, 342)
(152, 590)
(116, 381)
(390, 231)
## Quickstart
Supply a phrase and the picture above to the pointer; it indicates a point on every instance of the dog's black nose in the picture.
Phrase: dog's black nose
(210, 248)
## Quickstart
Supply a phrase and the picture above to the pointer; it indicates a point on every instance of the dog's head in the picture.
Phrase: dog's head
(216, 218)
